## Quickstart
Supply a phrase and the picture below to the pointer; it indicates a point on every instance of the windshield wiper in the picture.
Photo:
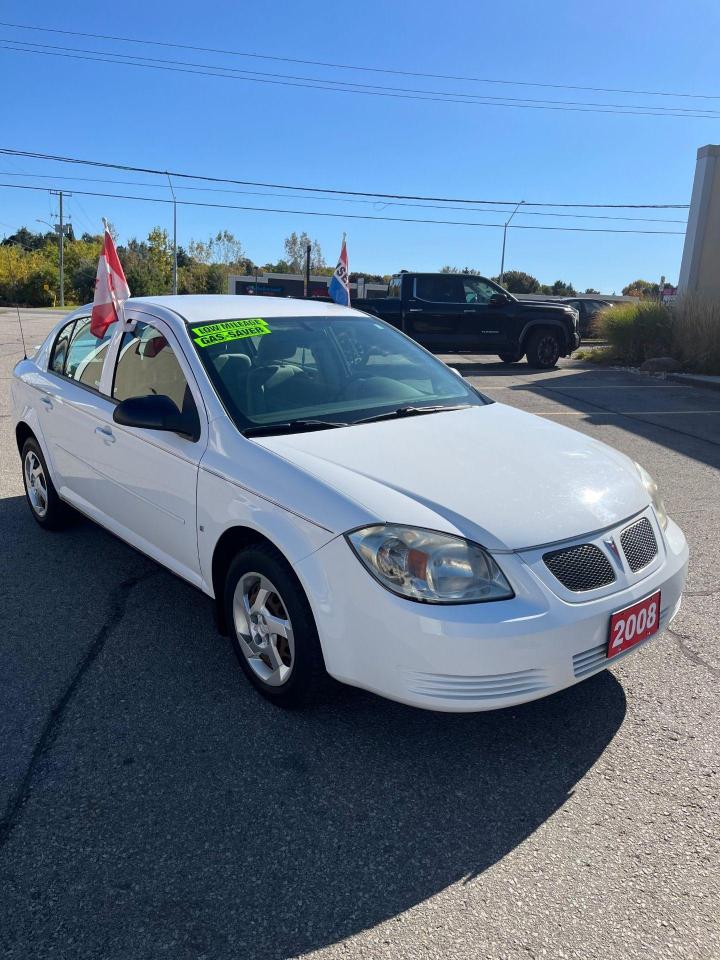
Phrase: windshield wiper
(411, 412)
(290, 426)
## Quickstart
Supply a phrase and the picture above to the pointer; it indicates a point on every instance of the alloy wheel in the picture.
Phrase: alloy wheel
(547, 351)
(263, 629)
(36, 484)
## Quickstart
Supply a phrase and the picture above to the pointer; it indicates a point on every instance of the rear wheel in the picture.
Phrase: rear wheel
(510, 357)
(45, 505)
(543, 349)
(272, 628)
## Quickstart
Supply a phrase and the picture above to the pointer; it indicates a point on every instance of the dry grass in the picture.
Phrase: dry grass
(696, 334)
(689, 331)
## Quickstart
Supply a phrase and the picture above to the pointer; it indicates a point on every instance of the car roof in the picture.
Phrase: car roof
(196, 308)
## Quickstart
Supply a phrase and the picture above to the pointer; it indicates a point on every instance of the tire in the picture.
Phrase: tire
(510, 357)
(288, 669)
(45, 505)
(543, 350)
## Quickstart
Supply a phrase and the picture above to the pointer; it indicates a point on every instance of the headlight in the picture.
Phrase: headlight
(654, 492)
(428, 566)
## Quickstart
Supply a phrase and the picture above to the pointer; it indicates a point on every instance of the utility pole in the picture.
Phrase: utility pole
(174, 276)
(60, 230)
(307, 271)
(502, 261)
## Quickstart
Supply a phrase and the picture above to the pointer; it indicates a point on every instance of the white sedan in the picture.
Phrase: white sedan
(352, 504)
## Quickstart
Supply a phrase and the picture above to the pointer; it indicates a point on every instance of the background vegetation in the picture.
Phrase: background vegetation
(30, 273)
(687, 331)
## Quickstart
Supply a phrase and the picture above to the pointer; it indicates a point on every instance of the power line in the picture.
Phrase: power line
(199, 70)
(354, 87)
(420, 206)
(11, 151)
(364, 69)
(350, 216)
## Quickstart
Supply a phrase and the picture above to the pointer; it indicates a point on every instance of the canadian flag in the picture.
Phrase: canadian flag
(110, 289)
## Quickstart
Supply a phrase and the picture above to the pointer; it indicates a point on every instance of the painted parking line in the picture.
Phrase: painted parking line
(618, 413)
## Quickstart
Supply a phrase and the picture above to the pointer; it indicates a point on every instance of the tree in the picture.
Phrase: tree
(449, 269)
(591, 290)
(517, 281)
(29, 240)
(295, 248)
(223, 248)
(83, 280)
(558, 289)
(642, 289)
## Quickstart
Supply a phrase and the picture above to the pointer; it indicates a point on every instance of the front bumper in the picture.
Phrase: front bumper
(471, 657)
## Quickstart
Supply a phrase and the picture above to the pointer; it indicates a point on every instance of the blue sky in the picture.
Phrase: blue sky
(282, 134)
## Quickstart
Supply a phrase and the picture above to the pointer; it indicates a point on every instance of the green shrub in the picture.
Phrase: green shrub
(636, 331)
(696, 334)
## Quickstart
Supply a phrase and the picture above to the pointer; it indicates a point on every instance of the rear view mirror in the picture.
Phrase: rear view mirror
(157, 412)
(498, 300)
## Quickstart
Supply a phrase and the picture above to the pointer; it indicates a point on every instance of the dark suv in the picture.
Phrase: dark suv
(463, 313)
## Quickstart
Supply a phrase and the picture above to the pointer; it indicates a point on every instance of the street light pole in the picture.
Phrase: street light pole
(174, 276)
(502, 261)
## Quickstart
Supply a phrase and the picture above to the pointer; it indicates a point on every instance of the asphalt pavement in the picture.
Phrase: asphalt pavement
(155, 806)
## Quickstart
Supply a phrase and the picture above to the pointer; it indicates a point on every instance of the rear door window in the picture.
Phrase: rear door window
(86, 354)
(443, 289)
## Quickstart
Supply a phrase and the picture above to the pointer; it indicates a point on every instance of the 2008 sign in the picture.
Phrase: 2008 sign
(634, 624)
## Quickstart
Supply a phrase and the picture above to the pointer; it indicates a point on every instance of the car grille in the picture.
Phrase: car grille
(639, 544)
(584, 567)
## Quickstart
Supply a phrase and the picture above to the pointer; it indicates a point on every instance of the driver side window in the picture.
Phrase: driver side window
(477, 291)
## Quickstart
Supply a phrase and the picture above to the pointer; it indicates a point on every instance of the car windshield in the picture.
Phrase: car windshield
(340, 370)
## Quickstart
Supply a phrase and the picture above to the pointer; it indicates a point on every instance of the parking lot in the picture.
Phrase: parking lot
(155, 806)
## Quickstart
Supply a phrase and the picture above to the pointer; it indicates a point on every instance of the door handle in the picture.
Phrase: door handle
(47, 402)
(468, 311)
(106, 433)
(415, 310)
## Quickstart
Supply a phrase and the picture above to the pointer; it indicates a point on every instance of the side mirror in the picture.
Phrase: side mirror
(157, 412)
(498, 300)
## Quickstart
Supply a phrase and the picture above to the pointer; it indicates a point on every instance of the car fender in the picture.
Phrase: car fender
(224, 504)
(25, 412)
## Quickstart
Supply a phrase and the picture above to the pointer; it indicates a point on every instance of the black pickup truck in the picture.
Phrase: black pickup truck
(462, 313)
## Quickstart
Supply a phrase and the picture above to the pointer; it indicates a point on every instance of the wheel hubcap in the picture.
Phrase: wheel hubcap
(547, 350)
(36, 484)
(263, 629)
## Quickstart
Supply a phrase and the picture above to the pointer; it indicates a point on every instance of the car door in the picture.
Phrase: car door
(71, 408)
(483, 327)
(434, 310)
(150, 476)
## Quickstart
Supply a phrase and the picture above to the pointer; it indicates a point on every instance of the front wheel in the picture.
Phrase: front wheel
(543, 350)
(273, 629)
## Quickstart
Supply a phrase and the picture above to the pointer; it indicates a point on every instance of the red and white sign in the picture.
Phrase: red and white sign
(110, 289)
(634, 624)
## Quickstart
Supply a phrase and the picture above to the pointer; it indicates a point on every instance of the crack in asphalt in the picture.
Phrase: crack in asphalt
(680, 639)
(701, 593)
(53, 723)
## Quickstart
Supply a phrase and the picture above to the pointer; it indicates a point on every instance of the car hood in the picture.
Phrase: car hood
(495, 474)
(546, 307)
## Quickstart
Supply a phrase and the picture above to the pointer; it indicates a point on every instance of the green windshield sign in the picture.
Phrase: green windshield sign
(210, 333)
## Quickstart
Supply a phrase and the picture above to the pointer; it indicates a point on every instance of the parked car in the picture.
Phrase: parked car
(353, 505)
(462, 313)
(587, 310)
